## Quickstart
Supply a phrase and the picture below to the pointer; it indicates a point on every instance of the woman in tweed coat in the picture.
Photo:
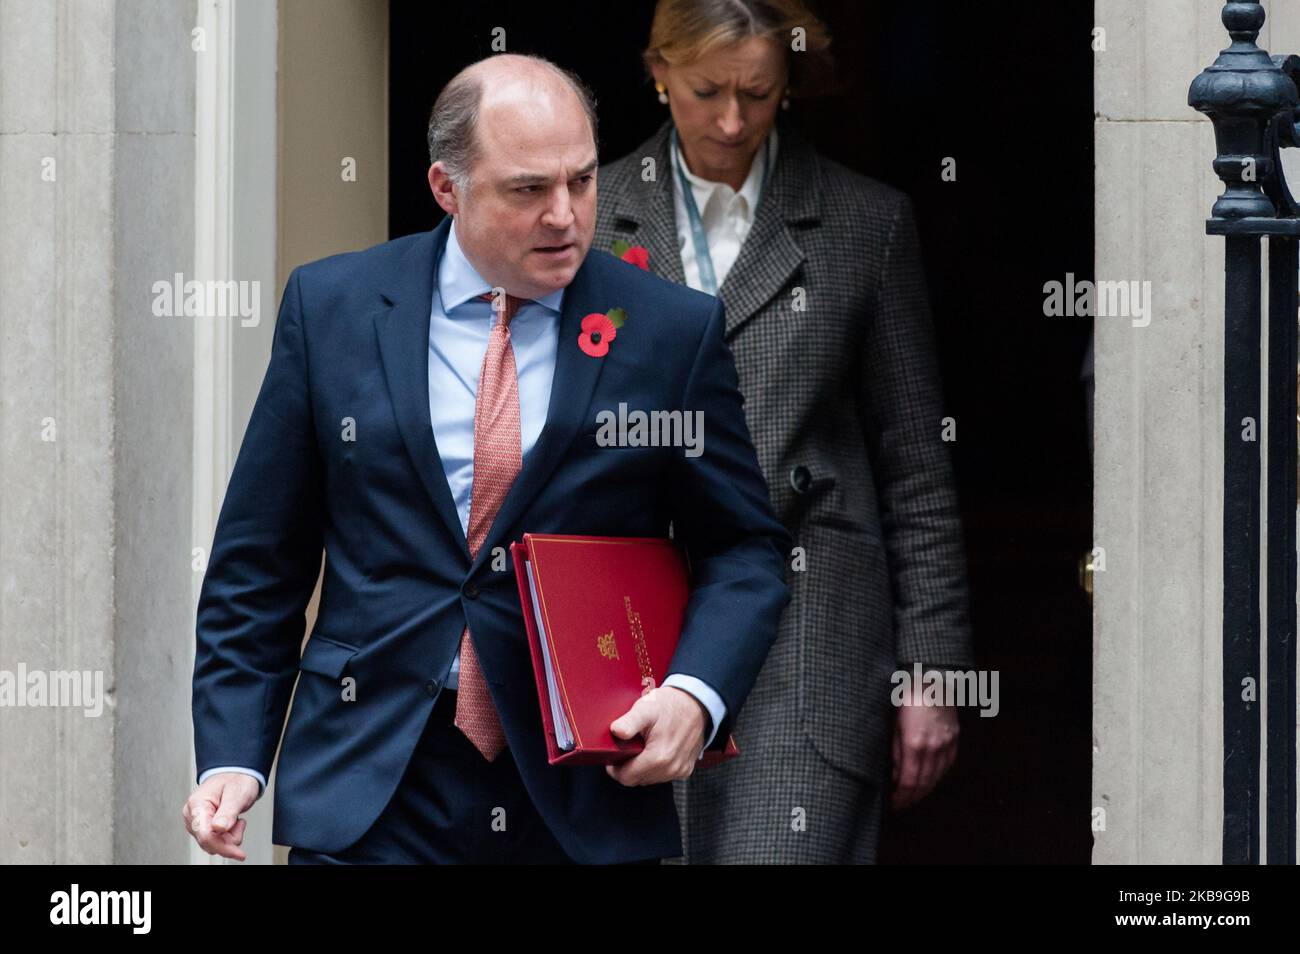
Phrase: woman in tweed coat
(826, 314)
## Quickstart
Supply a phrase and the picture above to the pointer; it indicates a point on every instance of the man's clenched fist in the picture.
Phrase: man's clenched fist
(212, 813)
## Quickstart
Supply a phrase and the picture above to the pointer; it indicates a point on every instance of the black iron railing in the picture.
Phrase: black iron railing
(1252, 100)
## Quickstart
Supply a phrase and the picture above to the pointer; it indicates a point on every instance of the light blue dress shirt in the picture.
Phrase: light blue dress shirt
(459, 325)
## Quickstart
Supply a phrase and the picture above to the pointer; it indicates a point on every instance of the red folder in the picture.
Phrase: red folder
(610, 612)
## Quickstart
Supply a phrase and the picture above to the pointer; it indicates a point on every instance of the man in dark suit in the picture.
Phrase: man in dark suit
(427, 401)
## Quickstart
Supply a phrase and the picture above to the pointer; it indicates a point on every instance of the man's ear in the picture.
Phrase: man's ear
(443, 189)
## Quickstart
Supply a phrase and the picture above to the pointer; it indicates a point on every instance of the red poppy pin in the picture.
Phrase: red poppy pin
(599, 330)
(638, 255)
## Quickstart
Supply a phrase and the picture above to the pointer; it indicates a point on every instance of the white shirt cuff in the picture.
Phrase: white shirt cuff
(707, 697)
(261, 779)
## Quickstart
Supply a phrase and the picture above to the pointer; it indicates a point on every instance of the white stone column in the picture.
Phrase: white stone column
(97, 203)
(140, 139)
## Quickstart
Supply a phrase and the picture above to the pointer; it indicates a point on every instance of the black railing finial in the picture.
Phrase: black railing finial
(1243, 18)
(1244, 93)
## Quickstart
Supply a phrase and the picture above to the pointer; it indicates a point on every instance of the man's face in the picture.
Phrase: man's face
(528, 217)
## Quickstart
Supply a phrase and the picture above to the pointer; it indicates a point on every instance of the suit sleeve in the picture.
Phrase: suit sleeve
(266, 555)
(902, 399)
(723, 516)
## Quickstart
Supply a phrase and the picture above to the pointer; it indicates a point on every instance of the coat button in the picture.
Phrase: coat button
(800, 479)
(471, 590)
(432, 687)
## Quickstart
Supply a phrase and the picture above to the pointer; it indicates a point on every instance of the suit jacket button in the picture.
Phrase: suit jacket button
(471, 590)
(431, 687)
(800, 479)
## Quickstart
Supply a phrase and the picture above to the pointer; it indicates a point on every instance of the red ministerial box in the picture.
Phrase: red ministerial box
(607, 613)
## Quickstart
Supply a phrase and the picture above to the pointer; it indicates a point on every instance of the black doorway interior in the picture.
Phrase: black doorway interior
(1007, 92)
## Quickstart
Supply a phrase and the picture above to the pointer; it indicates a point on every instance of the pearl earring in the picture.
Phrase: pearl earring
(663, 93)
(785, 100)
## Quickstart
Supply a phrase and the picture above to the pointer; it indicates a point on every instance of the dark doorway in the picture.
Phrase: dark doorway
(1007, 93)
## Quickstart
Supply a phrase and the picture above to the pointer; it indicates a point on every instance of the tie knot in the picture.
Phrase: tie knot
(509, 302)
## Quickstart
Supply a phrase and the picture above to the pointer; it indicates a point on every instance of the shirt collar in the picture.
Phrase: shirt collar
(459, 282)
(750, 190)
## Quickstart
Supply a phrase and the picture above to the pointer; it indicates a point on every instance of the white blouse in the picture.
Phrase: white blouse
(726, 214)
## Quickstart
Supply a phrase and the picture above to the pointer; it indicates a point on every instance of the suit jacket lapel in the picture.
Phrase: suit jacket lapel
(402, 326)
(769, 255)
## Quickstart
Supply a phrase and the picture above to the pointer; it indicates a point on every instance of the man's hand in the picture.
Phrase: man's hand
(925, 745)
(673, 723)
(210, 813)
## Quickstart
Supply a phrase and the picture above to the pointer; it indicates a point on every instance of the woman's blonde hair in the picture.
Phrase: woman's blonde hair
(684, 31)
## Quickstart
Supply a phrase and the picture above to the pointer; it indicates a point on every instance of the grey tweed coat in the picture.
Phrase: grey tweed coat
(828, 321)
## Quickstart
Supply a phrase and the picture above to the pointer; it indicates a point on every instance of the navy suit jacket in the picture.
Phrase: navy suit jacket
(349, 360)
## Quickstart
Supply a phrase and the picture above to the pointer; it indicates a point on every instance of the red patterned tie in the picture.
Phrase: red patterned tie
(498, 457)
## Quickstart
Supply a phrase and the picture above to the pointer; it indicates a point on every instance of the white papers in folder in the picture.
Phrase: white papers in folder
(563, 734)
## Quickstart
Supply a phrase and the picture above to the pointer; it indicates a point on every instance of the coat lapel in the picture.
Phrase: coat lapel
(769, 255)
(402, 326)
(649, 206)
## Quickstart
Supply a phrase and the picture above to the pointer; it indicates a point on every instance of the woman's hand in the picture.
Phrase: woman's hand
(925, 746)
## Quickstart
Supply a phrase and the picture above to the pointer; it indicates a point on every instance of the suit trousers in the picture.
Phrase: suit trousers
(452, 806)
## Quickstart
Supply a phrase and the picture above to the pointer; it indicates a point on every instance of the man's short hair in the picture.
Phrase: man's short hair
(454, 118)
